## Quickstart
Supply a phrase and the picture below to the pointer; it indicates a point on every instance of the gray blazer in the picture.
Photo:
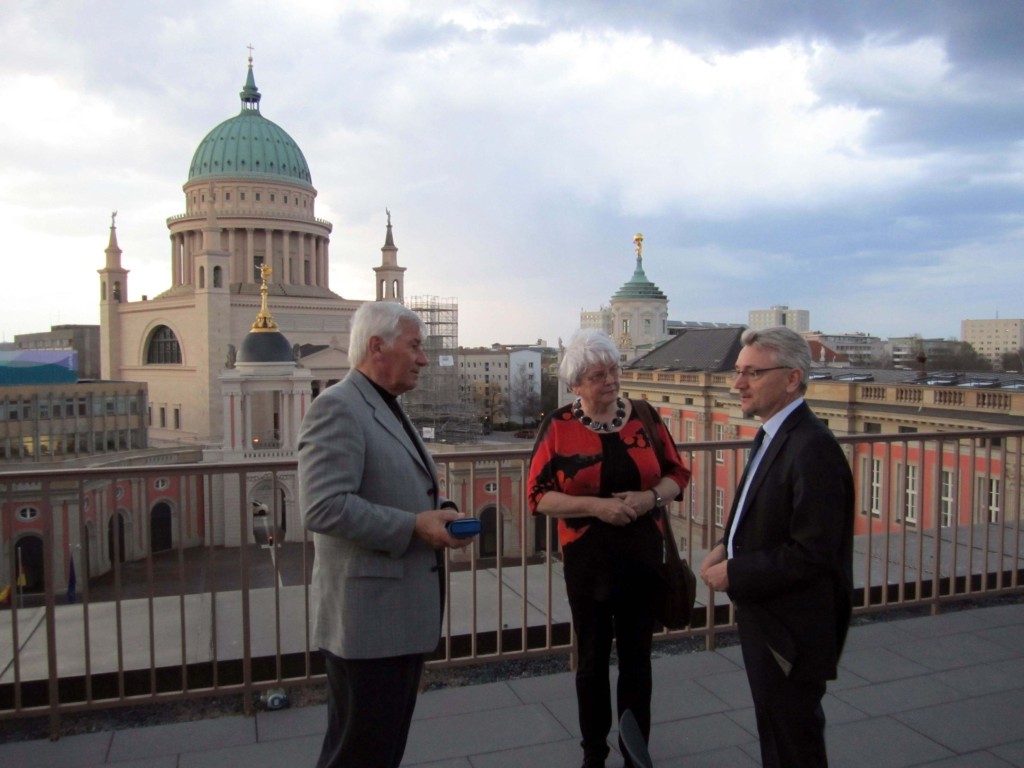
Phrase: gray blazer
(361, 482)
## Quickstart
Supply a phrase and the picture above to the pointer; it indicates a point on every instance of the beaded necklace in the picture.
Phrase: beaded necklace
(600, 426)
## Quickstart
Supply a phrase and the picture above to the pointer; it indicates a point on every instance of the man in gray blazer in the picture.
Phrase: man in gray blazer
(369, 493)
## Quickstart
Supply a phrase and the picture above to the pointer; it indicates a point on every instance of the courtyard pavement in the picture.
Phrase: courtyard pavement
(944, 690)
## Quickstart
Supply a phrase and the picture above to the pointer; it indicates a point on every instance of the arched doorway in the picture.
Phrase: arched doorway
(29, 554)
(160, 538)
(116, 539)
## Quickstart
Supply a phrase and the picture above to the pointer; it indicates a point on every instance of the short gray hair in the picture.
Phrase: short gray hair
(789, 348)
(586, 348)
(382, 319)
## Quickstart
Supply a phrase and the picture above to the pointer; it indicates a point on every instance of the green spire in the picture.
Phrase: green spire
(638, 286)
(250, 94)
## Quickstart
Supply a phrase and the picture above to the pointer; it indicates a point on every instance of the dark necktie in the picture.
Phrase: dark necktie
(754, 448)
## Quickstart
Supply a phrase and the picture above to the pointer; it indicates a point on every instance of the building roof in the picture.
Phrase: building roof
(695, 349)
(638, 287)
(249, 145)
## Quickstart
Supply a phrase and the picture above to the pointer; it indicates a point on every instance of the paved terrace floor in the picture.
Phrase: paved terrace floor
(943, 690)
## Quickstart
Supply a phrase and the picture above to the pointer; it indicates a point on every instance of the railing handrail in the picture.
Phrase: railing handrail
(507, 606)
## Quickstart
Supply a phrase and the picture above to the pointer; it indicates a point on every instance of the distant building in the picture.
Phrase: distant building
(905, 351)
(84, 339)
(636, 319)
(994, 338)
(69, 421)
(857, 348)
(504, 382)
(797, 319)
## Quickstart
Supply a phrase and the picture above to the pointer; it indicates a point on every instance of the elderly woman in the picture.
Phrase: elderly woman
(596, 470)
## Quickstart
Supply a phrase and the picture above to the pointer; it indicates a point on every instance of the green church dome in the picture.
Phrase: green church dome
(639, 287)
(250, 145)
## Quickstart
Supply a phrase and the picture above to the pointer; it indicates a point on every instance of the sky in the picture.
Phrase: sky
(863, 160)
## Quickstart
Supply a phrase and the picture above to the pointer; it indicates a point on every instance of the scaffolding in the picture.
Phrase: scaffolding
(435, 406)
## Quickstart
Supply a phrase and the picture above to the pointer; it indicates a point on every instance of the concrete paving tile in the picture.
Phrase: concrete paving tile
(1011, 753)
(695, 735)
(1011, 637)
(300, 751)
(730, 687)
(877, 665)
(483, 732)
(136, 743)
(681, 700)
(875, 634)
(534, 689)
(980, 679)
(730, 757)
(898, 695)
(953, 623)
(289, 723)
(446, 702)
(164, 761)
(691, 665)
(838, 711)
(566, 712)
(745, 719)
(566, 752)
(972, 724)
(879, 742)
(733, 653)
(952, 651)
(972, 760)
(69, 752)
(846, 679)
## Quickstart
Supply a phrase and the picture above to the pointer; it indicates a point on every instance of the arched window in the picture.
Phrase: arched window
(202, 277)
(217, 279)
(163, 347)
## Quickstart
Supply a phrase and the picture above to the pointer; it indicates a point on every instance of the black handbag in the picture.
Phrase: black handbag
(673, 606)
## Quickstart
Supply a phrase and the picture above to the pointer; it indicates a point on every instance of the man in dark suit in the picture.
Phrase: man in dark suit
(369, 493)
(786, 558)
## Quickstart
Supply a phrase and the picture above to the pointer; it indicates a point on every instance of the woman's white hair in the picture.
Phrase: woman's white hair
(382, 319)
(586, 348)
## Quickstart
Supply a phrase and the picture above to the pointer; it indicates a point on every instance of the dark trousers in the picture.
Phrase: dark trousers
(790, 719)
(369, 710)
(627, 614)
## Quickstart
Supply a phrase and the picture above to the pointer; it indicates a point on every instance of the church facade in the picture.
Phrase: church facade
(249, 206)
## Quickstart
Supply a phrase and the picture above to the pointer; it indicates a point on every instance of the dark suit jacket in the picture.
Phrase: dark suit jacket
(791, 570)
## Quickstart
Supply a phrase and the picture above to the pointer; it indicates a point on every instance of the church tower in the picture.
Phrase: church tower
(639, 312)
(390, 279)
(113, 291)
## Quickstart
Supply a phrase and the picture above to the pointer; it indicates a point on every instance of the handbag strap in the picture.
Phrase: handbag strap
(646, 413)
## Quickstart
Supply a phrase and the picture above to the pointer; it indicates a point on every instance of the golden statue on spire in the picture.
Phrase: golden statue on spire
(264, 320)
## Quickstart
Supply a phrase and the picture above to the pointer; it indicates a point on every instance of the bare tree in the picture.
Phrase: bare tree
(524, 399)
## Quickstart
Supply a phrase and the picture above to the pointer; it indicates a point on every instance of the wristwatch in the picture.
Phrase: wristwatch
(658, 501)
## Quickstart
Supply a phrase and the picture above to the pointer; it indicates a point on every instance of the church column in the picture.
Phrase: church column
(287, 277)
(250, 256)
(323, 264)
(175, 259)
(232, 260)
(314, 260)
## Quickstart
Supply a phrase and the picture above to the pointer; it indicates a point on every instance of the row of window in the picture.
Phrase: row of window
(72, 444)
(161, 415)
(58, 406)
(987, 493)
(257, 197)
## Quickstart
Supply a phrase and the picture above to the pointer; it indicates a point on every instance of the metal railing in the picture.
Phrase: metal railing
(146, 583)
